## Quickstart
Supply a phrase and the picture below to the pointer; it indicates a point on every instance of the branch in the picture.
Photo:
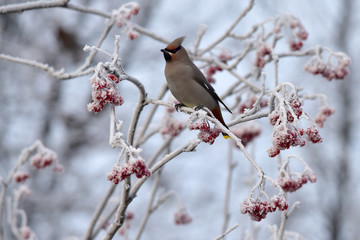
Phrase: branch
(89, 233)
(190, 146)
(139, 107)
(46, 68)
(125, 199)
(228, 31)
(150, 116)
(231, 166)
(227, 232)
(87, 10)
(149, 207)
(21, 7)
(282, 225)
(150, 34)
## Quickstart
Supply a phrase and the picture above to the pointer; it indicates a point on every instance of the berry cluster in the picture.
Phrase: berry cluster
(223, 57)
(58, 168)
(135, 166)
(328, 70)
(210, 71)
(247, 133)
(26, 233)
(286, 134)
(261, 53)
(312, 134)
(286, 138)
(295, 104)
(249, 103)
(139, 168)
(298, 34)
(258, 210)
(206, 134)
(324, 113)
(291, 185)
(171, 126)
(123, 15)
(20, 176)
(43, 159)
(182, 217)
(104, 90)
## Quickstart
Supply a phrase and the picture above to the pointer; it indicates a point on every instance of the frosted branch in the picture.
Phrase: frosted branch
(21, 7)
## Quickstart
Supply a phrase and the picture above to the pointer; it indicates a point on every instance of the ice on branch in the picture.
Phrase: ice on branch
(104, 88)
(122, 15)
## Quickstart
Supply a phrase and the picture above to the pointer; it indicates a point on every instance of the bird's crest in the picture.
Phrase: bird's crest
(175, 44)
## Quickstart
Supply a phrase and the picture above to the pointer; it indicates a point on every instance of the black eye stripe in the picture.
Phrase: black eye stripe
(174, 50)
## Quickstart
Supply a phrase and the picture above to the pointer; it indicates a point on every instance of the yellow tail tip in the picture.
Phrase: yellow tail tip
(226, 136)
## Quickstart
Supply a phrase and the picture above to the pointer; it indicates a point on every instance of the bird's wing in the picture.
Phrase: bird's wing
(201, 79)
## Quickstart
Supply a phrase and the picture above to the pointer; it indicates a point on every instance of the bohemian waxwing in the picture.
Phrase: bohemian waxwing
(187, 83)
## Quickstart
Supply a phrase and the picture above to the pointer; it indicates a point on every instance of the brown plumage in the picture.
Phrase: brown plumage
(187, 83)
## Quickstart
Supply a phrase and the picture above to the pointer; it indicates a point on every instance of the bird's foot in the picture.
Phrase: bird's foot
(197, 108)
(178, 106)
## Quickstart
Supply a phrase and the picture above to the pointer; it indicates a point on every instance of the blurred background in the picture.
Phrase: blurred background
(35, 106)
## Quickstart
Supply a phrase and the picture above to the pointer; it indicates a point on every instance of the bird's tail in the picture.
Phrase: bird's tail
(217, 114)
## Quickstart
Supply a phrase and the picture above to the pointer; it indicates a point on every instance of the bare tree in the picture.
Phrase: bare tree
(258, 93)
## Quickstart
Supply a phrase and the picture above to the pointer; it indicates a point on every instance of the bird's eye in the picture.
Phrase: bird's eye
(173, 50)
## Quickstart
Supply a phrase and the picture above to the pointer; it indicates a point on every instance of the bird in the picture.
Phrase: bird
(188, 84)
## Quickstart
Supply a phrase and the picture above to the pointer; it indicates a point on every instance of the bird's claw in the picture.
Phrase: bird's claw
(178, 106)
(197, 108)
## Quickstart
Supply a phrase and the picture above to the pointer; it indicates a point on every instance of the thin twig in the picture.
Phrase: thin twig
(282, 225)
(231, 27)
(227, 232)
(83, 9)
(150, 116)
(164, 146)
(21, 7)
(87, 62)
(125, 200)
(190, 146)
(149, 207)
(230, 168)
(150, 34)
(100, 208)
